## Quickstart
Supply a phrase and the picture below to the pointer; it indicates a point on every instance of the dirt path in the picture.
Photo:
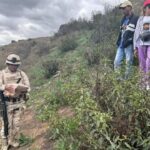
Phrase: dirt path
(35, 130)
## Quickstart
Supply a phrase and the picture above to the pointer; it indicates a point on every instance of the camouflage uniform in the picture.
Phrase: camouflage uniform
(15, 105)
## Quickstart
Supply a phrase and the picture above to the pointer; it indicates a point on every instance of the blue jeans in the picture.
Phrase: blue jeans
(122, 53)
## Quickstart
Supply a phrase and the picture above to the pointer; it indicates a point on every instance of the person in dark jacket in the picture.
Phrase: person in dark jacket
(125, 40)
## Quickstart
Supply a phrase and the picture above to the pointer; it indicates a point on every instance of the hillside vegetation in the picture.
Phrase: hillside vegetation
(75, 89)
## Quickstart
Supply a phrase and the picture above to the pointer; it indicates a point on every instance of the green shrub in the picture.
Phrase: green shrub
(50, 68)
(43, 48)
(92, 56)
(105, 25)
(116, 117)
(68, 44)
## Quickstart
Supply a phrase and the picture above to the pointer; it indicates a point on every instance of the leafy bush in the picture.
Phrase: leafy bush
(43, 48)
(105, 25)
(115, 117)
(69, 43)
(92, 56)
(50, 68)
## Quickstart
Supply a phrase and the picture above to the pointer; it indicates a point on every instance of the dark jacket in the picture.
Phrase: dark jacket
(132, 20)
(128, 38)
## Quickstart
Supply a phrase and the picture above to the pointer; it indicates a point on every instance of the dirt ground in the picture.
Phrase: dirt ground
(36, 130)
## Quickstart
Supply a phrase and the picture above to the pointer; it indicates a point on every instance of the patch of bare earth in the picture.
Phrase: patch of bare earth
(36, 130)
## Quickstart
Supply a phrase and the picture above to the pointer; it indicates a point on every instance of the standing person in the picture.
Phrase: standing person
(11, 80)
(142, 45)
(125, 40)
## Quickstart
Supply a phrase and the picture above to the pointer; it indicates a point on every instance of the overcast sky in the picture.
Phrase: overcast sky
(21, 19)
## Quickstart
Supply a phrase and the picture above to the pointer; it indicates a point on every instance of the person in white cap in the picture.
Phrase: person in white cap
(11, 80)
(125, 40)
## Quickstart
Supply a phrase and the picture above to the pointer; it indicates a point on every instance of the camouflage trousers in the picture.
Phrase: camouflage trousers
(14, 111)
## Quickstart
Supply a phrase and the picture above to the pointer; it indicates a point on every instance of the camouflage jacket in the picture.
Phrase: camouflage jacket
(7, 77)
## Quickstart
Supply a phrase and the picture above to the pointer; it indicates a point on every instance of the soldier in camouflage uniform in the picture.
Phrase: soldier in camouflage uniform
(15, 105)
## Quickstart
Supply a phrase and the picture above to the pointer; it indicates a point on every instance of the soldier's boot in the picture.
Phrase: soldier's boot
(14, 144)
(5, 145)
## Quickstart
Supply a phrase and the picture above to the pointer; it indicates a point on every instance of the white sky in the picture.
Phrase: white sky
(22, 19)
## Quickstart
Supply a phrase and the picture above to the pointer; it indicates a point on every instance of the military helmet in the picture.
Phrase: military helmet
(13, 59)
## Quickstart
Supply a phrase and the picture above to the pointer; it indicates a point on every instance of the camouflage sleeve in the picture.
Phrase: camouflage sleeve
(26, 80)
(2, 86)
